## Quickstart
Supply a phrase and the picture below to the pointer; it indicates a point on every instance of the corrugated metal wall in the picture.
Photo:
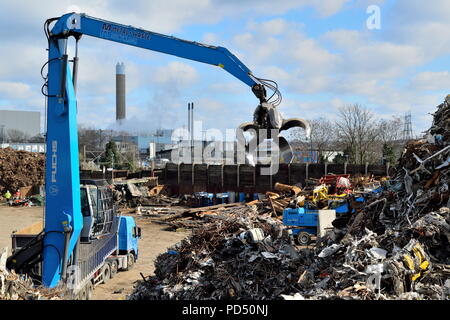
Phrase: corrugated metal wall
(188, 178)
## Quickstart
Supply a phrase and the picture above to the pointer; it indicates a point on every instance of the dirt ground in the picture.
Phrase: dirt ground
(154, 242)
(15, 219)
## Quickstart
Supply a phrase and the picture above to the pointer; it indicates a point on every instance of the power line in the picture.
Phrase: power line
(407, 129)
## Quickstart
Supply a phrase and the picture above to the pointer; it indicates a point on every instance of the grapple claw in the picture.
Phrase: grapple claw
(265, 118)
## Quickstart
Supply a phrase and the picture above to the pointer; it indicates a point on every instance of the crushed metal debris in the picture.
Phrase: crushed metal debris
(19, 287)
(396, 245)
(134, 193)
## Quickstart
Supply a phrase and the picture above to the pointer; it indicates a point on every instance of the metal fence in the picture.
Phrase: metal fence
(188, 178)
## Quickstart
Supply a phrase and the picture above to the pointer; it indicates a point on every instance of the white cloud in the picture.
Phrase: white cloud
(271, 27)
(211, 105)
(343, 38)
(312, 57)
(425, 26)
(351, 63)
(325, 8)
(227, 88)
(210, 38)
(11, 90)
(376, 59)
(330, 7)
(176, 73)
(355, 63)
(21, 61)
(431, 81)
(282, 43)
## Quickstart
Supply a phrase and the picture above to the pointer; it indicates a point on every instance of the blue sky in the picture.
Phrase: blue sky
(321, 53)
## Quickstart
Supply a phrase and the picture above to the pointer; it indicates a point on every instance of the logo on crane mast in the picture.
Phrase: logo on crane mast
(116, 32)
(53, 190)
(54, 160)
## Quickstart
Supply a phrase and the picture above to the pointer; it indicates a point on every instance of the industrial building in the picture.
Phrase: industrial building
(30, 147)
(27, 122)
(145, 146)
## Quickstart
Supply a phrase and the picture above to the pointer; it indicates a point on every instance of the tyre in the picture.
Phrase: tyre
(303, 238)
(114, 268)
(106, 273)
(130, 261)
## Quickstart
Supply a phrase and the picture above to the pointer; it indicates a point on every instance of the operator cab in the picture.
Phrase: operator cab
(97, 207)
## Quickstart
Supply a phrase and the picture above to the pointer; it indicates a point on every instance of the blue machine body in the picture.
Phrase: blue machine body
(63, 216)
(304, 220)
(204, 199)
(210, 198)
(344, 208)
(128, 237)
(62, 173)
(307, 220)
(222, 198)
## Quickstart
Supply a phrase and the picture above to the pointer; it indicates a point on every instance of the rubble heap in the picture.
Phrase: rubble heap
(15, 287)
(245, 257)
(419, 183)
(20, 169)
(193, 218)
(133, 193)
(18, 287)
(397, 246)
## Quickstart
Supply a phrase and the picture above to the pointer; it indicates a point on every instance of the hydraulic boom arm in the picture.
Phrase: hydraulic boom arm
(63, 218)
(80, 24)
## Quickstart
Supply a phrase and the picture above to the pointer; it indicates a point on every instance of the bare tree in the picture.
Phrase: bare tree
(322, 139)
(37, 139)
(358, 131)
(390, 136)
(93, 139)
(390, 130)
(17, 135)
(3, 134)
(92, 145)
(91, 142)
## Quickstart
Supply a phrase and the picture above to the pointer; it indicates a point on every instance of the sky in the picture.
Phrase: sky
(320, 52)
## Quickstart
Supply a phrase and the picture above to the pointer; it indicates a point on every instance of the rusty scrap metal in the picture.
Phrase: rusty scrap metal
(20, 287)
(397, 246)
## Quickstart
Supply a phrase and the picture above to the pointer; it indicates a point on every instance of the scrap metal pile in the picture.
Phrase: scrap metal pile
(180, 218)
(20, 169)
(19, 287)
(394, 245)
(404, 232)
(328, 192)
(245, 256)
(133, 193)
